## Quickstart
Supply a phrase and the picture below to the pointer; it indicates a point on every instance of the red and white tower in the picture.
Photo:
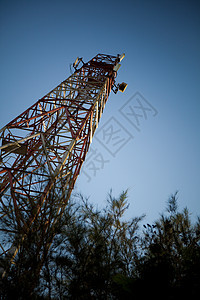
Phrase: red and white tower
(42, 149)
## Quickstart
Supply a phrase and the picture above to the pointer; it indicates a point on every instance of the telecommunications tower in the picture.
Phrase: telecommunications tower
(42, 149)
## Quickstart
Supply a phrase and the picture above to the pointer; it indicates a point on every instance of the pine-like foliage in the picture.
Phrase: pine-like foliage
(99, 254)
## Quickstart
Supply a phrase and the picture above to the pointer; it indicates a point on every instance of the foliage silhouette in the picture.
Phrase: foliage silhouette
(99, 254)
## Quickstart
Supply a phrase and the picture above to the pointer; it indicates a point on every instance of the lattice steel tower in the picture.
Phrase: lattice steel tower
(42, 150)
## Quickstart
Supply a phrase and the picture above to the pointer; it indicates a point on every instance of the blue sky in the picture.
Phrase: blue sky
(161, 39)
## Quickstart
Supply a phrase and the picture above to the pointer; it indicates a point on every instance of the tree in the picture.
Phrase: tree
(92, 248)
(99, 254)
(171, 258)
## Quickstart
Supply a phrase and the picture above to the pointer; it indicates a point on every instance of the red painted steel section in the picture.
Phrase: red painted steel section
(58, 125)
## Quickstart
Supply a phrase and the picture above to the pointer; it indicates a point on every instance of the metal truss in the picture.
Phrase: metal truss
(42, 150)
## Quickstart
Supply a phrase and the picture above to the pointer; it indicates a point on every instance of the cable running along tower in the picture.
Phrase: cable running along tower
(42, 150)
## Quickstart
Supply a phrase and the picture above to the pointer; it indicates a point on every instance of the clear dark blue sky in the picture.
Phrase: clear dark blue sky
(161, 39)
